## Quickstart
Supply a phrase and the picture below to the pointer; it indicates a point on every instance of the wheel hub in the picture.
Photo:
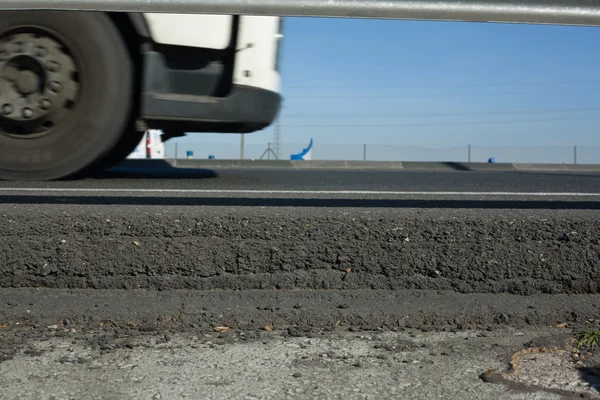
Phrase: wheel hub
(27, 82)
(39, 83)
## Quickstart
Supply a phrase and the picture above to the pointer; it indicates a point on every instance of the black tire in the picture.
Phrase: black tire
(126, 145)
(90, 126)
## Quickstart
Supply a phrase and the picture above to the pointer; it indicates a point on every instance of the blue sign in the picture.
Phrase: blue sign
(304, 154)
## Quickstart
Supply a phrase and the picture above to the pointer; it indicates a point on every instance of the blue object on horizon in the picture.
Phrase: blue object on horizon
(492, 160)
(211, 157)
(300, 156)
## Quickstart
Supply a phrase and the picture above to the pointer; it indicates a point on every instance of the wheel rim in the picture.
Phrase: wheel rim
(39, 83)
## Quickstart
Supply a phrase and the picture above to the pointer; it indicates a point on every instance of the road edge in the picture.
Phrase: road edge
(360, 165)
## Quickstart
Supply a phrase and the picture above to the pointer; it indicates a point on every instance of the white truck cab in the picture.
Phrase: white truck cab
(79, 89)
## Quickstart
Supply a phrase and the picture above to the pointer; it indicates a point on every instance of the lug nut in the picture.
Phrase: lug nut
(27, 113)
(7, 109)
(41, 51)
(53, 66)
(45, 104)
(55, 86)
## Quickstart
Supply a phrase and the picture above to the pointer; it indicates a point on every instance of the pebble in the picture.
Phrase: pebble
(487, 376)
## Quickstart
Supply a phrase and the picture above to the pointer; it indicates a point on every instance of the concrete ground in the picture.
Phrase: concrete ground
(280, 365)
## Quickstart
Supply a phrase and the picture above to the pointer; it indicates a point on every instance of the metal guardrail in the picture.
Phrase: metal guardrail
(556, 12)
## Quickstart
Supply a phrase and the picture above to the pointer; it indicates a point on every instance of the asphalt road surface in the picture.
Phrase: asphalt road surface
(105, 278)
(331, 180)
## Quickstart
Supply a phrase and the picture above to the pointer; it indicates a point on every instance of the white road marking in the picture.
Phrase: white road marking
(310, 192)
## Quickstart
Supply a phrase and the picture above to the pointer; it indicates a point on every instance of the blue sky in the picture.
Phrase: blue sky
(432, 85)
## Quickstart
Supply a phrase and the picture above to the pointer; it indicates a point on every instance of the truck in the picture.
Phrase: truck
(79, 89)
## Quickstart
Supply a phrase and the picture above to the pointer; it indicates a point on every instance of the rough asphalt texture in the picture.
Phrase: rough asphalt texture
(205, 248)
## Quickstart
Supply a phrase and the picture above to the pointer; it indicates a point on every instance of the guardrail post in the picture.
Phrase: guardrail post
(365, 152)
(575, 155)
(469, 152)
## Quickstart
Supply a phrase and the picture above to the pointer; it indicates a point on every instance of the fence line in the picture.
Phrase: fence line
(383, 152)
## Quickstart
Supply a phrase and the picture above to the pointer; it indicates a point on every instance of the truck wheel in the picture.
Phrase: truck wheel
(66, 90)
(126, 145)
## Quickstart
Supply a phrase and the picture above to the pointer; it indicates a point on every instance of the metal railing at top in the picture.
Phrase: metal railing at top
(559, 12)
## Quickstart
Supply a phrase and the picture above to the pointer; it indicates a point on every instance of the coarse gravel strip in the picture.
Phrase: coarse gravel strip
(246, 248)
